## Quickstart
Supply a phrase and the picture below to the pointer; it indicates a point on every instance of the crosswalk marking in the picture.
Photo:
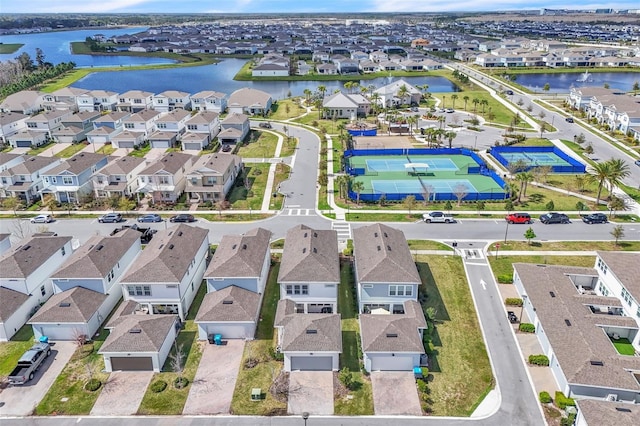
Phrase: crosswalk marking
(343, 229)
(473, 254)
(299, 212)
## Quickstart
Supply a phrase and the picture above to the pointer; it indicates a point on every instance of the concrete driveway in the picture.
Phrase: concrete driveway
(122, 393)
(212, 388)
(311, 391)
(21, 400)
(395, 393)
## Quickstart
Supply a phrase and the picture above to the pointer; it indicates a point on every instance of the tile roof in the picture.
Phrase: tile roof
(230, 304)
(168, 256)
(626, 268)
(311, 332)
(98, 256)
(382, 255)
(310, 255)
(240, 255)
(11, 301)
(124, 335)
(29, 255)
(76, 305)
(576, 334)
(394, 332)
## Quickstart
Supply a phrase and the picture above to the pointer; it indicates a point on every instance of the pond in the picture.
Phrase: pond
(563, 82)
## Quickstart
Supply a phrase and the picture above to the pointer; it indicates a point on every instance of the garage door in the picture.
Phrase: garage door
(311, 363)
(23, 144)
(231, 331)
(131, 364)
(392, 363)
(59, 332)
(192, 147)
(125, 145)
(160, 144)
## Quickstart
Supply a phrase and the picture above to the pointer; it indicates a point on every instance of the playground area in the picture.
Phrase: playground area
(439, 174)
(537, 157)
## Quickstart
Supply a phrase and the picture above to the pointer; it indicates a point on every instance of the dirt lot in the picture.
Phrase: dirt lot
(380, 142)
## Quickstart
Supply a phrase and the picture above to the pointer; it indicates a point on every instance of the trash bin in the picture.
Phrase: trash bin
(44, 339)
(217, 339)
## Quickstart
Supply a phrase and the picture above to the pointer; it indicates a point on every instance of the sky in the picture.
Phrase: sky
(296, 6)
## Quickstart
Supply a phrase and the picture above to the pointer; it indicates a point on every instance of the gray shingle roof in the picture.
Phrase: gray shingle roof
(98, 256)
(310, 332)
(153, 332)
(394, 332)
(240, 255)
(167, 257)
(604, 413)
(121, 165)
(76, 164)
(576, 334)
(235, 118)
(247, 96)
(626, 268)
(171, 163)
(76, 305)
(382, 255)
(310, 255)
(11, 301)
(214, 164)
(229, 304)
(29, 255)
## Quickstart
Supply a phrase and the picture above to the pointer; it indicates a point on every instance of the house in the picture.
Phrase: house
(135, 101)
(232, 312)
(578, 314)
(119, 178)
(48, 121)
(342, 105)
(592, 412)
(9, 160)
(173, 121)
(107, 127)
(127, 140)
(393, 342)
(65, 98)
(24, 279)
(82, 119)
(142, 122)
(5, 243)
(385, 273)
(327, 69)
(170, 100)
(250, 101)
(27, 139)
(86, 287)
(71, 179)
(242, 261)
(309, 342)
(97, 100)
(24, 180)
(24, 102)
(212, 176)
(138, 342)
(270, 70)
(10, 124)
(69, 134)
(209, 101)
(204, 123)
(398, 93)
(234, 129)
(165, 179)
(310, 270)
(167, 275)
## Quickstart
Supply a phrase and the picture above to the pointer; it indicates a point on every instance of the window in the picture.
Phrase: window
(63, 251)
(602, 266)
(160, 101)
(128, 125)
(297, 289)
(32, 125)
(626, 296)
(54, 179)
(161, 125)
(400, 290)
(137, 101)
(99, 179)
(43, 291)
(139, 290)
(164, 180)
(67, 180)
(192, 126)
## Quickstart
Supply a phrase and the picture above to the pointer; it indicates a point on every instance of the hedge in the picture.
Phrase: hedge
(563, 402)
(505, 279)
(539, 360)
(158, 386)
(513, 301)
(526, 327)
(545, 398)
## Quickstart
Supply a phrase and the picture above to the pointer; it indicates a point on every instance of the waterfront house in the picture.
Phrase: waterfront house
(342, 105)
(24, 102)
(65, 98)
(134, 101)
(97, 100)
(250, 101)
(209, 101)
(234, 128)
(170, 100)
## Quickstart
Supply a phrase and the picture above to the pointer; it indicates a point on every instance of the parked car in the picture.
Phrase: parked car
(512, 317)
(29, 362)
(265, 125)
(450, 110)
(182, 218)
(415, 109)
(438, 217)
(153, 217)
(110, 218)
(548, 218)
(146, 234)
(226, 147)
(595, 218)
(637, 162)
(518, 218)
(508, 92)
(42, 218)
(569, 119)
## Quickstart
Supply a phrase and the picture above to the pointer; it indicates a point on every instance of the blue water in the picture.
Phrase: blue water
(563, 82)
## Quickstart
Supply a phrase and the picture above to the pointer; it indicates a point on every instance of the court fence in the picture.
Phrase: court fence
(574, 166)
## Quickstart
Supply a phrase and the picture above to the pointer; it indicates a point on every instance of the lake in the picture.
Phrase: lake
(563, 82)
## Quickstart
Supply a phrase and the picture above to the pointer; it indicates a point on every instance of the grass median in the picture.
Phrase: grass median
(502, 266)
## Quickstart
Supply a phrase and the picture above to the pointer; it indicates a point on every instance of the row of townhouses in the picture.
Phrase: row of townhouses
(205, 178)
(66, 294)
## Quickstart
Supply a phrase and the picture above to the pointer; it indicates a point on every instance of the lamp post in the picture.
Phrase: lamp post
(524, 300)
(305, 416)
(506, 231)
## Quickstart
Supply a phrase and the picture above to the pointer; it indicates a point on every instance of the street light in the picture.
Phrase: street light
(506, 231)
(524, 300)
(305, 416)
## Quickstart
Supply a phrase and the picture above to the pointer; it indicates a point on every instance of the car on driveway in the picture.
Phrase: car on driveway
(182, 218)
(226, 147)
(153, 217)
(637, 162)
(595, 218)
(265, 125)
(518, 218)
(438, 217)
(110, 218)
(549, 218)
(42, 218)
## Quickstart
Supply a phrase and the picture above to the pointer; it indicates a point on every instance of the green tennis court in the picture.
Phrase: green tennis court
(535, 158)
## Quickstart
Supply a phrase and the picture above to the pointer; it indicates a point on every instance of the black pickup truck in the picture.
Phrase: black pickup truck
(145, 233)
(28, 363)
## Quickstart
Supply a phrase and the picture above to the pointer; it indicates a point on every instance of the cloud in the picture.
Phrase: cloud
(73, 6)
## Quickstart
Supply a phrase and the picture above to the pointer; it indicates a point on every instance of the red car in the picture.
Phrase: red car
(518, 218)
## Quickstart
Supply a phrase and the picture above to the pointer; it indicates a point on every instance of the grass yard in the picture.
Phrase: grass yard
(171, 401)
(361, 402)
(459, 365)
(289, 145)
(624, 346)
(576, 183)
(502, 267)
(40, 149)
(427, 245)
(71, 150)
(242, 198)
(267, 369)
(140, 153)
(11, 351)
(106, 149)
(259, 145)
(286, 109)
(569, 246)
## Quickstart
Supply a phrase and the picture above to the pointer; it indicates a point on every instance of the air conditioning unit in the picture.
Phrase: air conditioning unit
(612, 397)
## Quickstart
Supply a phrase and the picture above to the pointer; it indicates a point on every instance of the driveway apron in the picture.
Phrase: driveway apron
(122, 393)
(311, 392)
(395, 393)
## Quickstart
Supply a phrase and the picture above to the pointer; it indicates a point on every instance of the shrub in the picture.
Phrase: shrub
(93, 385)
(180, 382)
(526, 327)
(251, 362)
(513, 301)
(569, 420)
(562, 401)
(158, 386)
(276, 355)
(539, 360)
(545, 398)
(346, 378)
(422, 386)
(505, 279)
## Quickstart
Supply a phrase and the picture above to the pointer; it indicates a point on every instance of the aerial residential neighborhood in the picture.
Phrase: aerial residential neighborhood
(275, 218)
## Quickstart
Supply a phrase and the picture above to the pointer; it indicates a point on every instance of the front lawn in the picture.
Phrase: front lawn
(11, 351)
(71, 150)
(568, 245)
(459, 370)
(427, 245)
(243, 198)
(502, 266)
(39, 149)
(258, 145)
(141, 152)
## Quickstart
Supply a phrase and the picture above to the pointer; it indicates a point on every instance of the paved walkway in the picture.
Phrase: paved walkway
(122, 394)
(311, 392)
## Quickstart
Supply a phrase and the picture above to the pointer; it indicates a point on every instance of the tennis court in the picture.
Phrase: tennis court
(535, 158)
(399, 164)
(432, 186)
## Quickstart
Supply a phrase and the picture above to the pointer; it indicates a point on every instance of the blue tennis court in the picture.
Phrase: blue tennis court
(398, 164)
(535, 158)
(435, 186)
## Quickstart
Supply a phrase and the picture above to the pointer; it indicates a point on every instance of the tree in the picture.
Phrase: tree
(12, 203)
(617, 233)
(541, 173)
(542, 114)
(606, 86)
(409, 202)
(322, 89)
(635, 88)
(450, 135)
(524, 178)
(307, 95)
(615, 204)
(588, 149)
(454, 97)
(40, 58)
(546, 87)
(176, 360)
(529, 235)
(508, 205)
(50, 202)
(550, 205)
(403, 93)
(475, 102)
(580, 207)
(465, 98)
(516, 166)
(611, 172)
(580, 181)
(357, 187)
(480, 206)
(543, 125)
(427, 190)
(460, 191)
(447, 206)
(343, 185)
(581, 138)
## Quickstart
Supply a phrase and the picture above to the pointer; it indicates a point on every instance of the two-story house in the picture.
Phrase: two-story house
(212, 176)
(107, 126)
(48, 121)
(24, 279)
(65, 98)
(9, 160)
(119, 178)
(205, 123)
(24, 180)
(165, 179)
(234, 129)
(86, 287)
(25, 102)
(134, 101)
(250, 101)
(385, 273)
(167, 275)
(97, 100)
(310, 270)
(142, 122)
(170, 128)
(10, 124)
(75, 128)
(170, 100)
(71, 179)
(209, 101)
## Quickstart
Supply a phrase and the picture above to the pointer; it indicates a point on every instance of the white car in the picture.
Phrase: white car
(42, 218)
(438, 217)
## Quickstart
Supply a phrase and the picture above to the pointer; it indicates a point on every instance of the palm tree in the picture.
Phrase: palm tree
(343, 185)
(411, 120)
(450, 136)
(600, 173)
(454, 97)
(357, 187)
(465, 98)
(322, 89)
(349, 85)
(444, 98)
(307, 94)
(484, 103)
(619, 171)
(403, 91)
(475, 102)
(375, 100)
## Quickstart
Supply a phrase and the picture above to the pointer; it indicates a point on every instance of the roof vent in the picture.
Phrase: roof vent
(64, 304)
(315, 250)
(389, 248)
(161, 245)
(375, 234)
(304, 250)
(552, 294)
(623, 409)
(25, 248)
(100, 247)
(379, 248)
(234, 246)
(244, 247)
(171, 246)
(385, 235)
(392, 334)
(566, 321)
(135, 331)
(180, 234)
(597, 363)
(227, 302)
(312, 331)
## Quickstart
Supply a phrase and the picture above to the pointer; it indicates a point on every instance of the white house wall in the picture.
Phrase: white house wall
(228, 330)
(19, 318)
